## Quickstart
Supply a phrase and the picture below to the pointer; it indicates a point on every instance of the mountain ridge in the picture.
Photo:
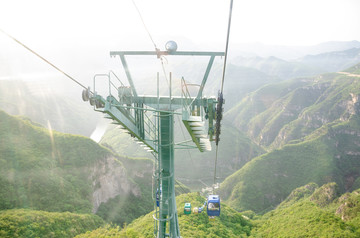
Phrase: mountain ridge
(47, 170)
(325, 144)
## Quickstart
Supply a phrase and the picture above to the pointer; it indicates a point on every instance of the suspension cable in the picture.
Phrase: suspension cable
(51, 64)
(227, 46)
(220, 98)
(143, 22)
(152, 40)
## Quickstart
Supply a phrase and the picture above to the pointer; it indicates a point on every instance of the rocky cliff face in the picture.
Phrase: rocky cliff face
(338, 105)
(109, 179)
(312, 134)
(304, 107)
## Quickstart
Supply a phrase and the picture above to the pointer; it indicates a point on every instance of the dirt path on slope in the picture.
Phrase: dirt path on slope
(349, 74)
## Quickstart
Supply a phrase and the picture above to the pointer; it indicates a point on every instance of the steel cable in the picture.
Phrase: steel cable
(220, 101)
(51, 64)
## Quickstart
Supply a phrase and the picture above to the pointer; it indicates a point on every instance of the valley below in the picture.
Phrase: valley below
(288, 158)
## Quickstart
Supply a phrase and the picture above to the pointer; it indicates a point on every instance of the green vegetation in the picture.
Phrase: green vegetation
(329, 154)
(261, 100)
(238, 83)
(193, 167)
(30, 223)
(232, 157)
(46, 170)
(308, 216)
(43, 169)
(354, 69)
(122, 144)
(229, 224)
(124, 209)
(276, 114)
(298, 194)
(310, 128)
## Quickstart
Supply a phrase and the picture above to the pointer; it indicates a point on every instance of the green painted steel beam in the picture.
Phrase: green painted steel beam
(163, 103)
(160, 53)
(145, 109)
(168, 211)
(128, 75)
(123, 120)
(211, 61)
(131, 115)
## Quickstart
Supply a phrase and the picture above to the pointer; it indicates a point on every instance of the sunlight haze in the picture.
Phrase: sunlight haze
(279, 22)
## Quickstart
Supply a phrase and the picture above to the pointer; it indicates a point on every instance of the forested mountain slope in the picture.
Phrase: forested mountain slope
(310, 211)
(47, 170)
(229, 224)
(276, 114)
(312, 133)
(31, 223)
(236, 150)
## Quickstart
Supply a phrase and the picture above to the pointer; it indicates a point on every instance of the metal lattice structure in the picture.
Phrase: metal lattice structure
(150, 120)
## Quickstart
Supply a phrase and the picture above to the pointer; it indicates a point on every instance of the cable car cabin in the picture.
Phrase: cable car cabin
(213, 205)
(200, 209)
(187, 208)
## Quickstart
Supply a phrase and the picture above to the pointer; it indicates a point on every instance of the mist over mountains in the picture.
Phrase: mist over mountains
(289, 142)
(291, 52)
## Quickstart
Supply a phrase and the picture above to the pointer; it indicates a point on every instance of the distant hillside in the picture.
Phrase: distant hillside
(309, 65)
(354, 69)
(46, 170)
(313, 212)
(276, 114)
(329, 154)
(39, 102)
(333, 61)
(333, 46)
(234, 150)
(231, 158)
(260, 101)
(229, 224)
(278, 67)
(122, 143)
(291, 52)
(309, 211)
(30, 223)
(239, 82)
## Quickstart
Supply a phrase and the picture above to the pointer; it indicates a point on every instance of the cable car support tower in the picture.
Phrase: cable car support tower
(150, 120)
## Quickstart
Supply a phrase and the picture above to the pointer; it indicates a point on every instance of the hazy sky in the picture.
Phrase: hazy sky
(77, 35)
(204, 22)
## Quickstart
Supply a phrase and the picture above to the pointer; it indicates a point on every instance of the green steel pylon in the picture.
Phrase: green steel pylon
(150, 120)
